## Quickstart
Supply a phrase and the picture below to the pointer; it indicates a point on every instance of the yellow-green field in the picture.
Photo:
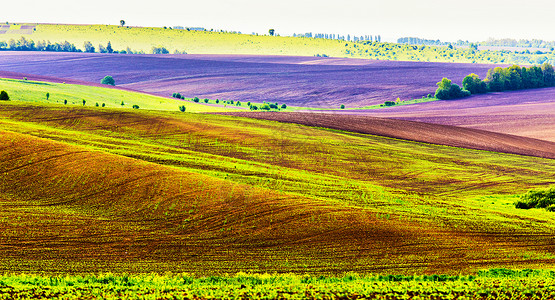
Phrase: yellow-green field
(87, 189)
(143, 39)
(35, 92)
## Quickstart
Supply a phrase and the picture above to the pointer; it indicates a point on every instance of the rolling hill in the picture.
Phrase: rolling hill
(141, 191)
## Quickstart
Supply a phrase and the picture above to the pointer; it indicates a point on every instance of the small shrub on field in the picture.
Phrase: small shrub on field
(103, 104)
(265, 107)
(96, 104)
(342, 106)
(65, 101)
(273, 106)
(283, 106)
(196, 99)
(537, 199)
(447, 90)
(108, 80)
(182, 108)
(254, 107)
(206, 100)
(122, 104)
(217, 101)
(4, 96)
(84, 102)
(47, 96)
(135, 106)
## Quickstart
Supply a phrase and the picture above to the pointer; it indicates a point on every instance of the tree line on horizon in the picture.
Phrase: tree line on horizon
(522, 43)
(498, 80)
(24, 44)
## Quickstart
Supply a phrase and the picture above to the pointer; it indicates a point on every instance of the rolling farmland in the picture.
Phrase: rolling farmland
(296, 81)
(148, 191)
(305, 82)
(101, 200)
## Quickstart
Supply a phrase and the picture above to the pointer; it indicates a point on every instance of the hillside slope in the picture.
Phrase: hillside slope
(414, 131)
(97, 189)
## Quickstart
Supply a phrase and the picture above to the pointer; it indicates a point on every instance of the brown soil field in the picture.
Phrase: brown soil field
(415, 131)
(529, 113)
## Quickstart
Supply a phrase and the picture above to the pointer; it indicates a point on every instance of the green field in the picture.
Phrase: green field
(35, 92)
(496, 284)
(143, 39)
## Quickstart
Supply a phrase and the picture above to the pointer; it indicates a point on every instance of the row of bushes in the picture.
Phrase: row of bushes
(267, 106)
(497, 80)
(538, 199)
(24, 44)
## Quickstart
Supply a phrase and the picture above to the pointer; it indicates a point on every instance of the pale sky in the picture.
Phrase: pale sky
(473, 20)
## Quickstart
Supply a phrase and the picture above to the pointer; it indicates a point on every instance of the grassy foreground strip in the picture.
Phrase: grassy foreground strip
(496, 283)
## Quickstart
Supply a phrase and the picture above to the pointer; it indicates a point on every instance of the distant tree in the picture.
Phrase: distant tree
(548, 74)
(283, 106)
(102, 49)
(122, 104)
(89, 48)
(206, 100)
(4, 96)
(109, 48)
(342, 106)
(160, 50)
(47, 96)
(84, 102)
(271, 31)
(103, 104)
(135, 106)
(96, 104)
(265, 107)
(514, 79)
(196, 99)
(217, 101)
(182, 108)
(474, 84)
(122, 23)
(108, 80)
(448, 90)
(65, 101)
(496, 79)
